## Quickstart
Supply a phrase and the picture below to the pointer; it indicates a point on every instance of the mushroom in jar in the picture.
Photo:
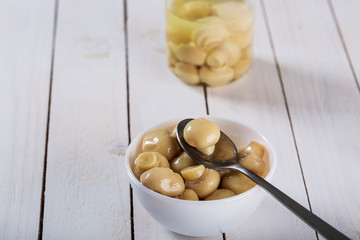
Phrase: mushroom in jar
(207, 37)
(216, 76)
(187, 72)
(193, 10)
(229, 10)
(226, 53)
(210, 20)
(189, 53)
(216, 58)
(241, 67)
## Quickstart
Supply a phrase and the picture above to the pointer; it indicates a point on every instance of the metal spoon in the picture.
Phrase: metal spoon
(226, 157)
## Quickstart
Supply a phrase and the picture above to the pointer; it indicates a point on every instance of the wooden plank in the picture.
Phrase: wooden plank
(324, 107)
(87, 192)
(25, 62)
(257, 100)
(347, 17)
(156, 94)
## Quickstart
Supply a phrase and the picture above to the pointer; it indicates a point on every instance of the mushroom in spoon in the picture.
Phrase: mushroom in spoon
(225, 156)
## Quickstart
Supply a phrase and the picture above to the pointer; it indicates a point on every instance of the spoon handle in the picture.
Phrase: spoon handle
(311, 219)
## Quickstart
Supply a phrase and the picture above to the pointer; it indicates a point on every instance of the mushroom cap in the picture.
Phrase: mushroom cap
(201, 133)
(216, 76)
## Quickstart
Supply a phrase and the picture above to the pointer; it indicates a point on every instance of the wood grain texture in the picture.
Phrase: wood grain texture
(24, 79)
(324, 107)
(347, 18)
(257, 100)
(87, 192)
(156, 95)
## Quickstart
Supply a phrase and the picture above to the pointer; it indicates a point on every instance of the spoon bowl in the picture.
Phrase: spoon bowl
(224, 156)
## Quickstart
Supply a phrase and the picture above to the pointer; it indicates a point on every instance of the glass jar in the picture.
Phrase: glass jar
(209, 41)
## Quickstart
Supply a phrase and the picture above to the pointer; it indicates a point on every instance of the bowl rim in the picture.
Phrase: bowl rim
(134, 180)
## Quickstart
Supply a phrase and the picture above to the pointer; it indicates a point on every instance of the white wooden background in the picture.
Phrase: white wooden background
(80, 78)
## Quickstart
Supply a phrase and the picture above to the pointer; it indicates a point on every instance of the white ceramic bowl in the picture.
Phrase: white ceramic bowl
(201, 218)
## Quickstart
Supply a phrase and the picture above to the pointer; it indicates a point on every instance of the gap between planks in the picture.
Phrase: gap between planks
(338, 29)
(43, 187)
(278, 70)
(128, 111)
(206, 100)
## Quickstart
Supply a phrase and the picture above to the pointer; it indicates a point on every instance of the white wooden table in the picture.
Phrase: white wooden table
(79, 79)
